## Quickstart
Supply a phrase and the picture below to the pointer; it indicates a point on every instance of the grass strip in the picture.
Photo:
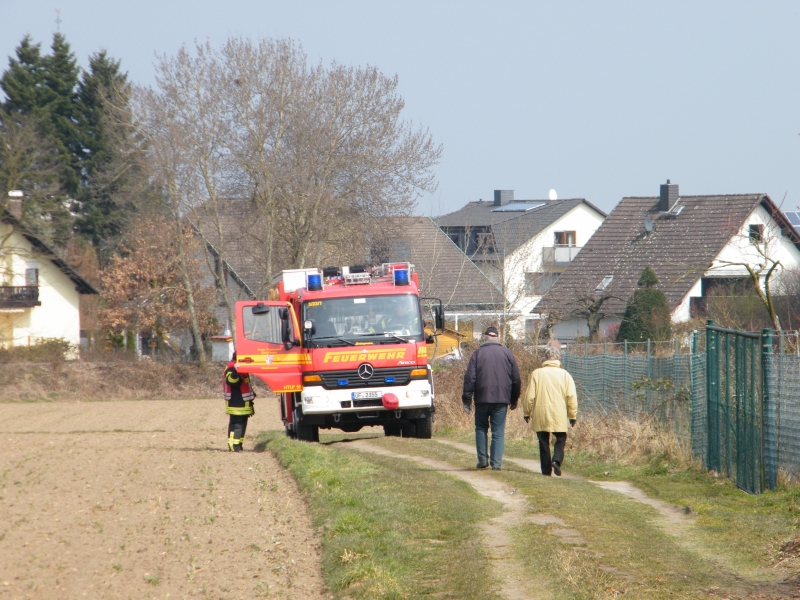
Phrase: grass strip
(390, 528)
(749, 529)
(625, 551)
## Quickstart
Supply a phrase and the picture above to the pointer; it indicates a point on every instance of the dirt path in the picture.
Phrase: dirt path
(672, 517)
(496, 538)
(140, 499)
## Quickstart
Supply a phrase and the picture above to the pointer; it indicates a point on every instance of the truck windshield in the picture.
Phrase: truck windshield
(351, 318)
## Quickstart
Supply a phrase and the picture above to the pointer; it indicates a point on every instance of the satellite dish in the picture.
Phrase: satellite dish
(553, 195)
(648, 224)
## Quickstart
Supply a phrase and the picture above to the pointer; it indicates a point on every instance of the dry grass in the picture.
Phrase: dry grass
(610, 437)
(82, 380)
(627, 441)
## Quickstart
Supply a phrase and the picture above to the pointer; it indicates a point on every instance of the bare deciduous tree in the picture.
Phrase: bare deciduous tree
(758, 247)
(305, 158)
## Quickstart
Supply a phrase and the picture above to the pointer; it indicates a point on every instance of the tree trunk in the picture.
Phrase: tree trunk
(187, 287)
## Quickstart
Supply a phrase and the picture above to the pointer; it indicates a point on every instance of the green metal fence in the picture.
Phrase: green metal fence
(735, 406)
(782, 407)
(663, 381)
(733, 395)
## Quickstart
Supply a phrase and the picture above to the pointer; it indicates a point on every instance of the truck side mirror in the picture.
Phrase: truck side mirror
(438, 314)
(438, 317)
(286, 334)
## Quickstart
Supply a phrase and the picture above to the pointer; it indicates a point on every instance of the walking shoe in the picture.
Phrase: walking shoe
(557, 469)
(238, 448)
(482, 465)
(496, 469)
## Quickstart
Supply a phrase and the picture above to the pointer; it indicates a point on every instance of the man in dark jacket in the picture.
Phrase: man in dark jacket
(492, 377)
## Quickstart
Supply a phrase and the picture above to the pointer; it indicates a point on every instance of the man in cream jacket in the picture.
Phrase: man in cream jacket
(551, 401)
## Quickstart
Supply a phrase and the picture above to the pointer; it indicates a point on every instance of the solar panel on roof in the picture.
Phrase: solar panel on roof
(794, 217)
(517, 207)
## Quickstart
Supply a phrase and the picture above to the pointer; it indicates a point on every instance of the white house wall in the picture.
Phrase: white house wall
(682, 312)
(578, 328)
(58, 316)
(528, 258)
(740, 249)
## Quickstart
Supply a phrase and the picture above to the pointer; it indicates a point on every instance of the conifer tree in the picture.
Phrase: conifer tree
(647, 315)
(74, 123)
(23, 81)
(60, 106)
(108, 164)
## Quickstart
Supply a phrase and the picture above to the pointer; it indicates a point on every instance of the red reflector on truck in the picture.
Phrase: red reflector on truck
(390, 402)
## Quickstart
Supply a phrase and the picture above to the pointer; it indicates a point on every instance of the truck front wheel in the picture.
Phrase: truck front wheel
(307, 433)
(424, 428)
(304, 432)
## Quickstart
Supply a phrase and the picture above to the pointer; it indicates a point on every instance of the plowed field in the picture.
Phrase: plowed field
(141, 499)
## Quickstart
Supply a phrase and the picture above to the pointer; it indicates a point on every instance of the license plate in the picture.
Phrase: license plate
(367, 395)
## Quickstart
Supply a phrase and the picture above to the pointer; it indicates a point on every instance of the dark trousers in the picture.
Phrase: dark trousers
(544, 450)
(237, 425)
(490, 416)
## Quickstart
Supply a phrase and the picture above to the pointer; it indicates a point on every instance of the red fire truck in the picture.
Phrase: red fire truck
(344, 348)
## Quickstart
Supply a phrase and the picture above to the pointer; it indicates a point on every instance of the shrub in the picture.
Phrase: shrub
(647, 316)
(43, 351)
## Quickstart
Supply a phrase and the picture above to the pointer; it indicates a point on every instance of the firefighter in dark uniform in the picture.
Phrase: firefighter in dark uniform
(239, 398)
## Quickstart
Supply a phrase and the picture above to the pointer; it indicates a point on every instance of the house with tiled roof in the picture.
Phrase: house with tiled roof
(470, 299)
(693, 243)
(39, 292)
(522, 246)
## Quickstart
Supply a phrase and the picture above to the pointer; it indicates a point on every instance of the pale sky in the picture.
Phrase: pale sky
(598, 100)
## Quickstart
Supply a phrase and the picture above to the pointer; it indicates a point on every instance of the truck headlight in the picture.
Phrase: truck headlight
(314, 400)
(417, 393)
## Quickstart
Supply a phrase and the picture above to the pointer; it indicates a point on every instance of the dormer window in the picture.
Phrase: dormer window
(484, 242)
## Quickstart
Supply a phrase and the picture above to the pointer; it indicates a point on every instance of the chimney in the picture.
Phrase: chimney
(503, 197)
(15, 208)
(669, 196)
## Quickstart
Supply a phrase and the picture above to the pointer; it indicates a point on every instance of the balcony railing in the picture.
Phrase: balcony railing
(19, 296)
(559, 255)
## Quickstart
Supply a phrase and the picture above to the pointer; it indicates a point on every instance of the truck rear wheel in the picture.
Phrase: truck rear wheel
(424, 428)
(391, 430)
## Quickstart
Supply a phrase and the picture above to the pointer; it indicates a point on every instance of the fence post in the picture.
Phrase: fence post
(693, 385)
(647, 387)
(674, 388)
(625, 377)
(769, 454)
(711, 388)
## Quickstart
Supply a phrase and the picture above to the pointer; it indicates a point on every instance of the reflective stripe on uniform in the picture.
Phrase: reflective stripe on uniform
(245, 410)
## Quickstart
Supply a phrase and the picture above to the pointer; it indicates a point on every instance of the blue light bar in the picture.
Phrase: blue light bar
(342, 382)
(389, 380)
(401, 276)
(314, 283)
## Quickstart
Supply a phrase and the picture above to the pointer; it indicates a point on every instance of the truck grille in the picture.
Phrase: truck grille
(335, 380)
